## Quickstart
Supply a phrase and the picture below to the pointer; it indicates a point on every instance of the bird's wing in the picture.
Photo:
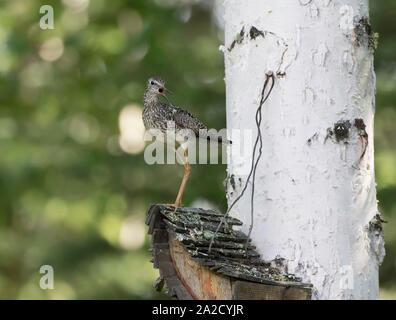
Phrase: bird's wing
(185, 120)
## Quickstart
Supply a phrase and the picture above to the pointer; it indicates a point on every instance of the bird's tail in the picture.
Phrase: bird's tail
(220, 140)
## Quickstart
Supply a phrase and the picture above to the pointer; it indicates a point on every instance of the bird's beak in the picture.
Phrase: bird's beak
(167, 91)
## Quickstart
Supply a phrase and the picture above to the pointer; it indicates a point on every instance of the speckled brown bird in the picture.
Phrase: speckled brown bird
(157, 114)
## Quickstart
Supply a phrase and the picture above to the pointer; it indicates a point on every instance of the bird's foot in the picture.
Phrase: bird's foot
(175, 205)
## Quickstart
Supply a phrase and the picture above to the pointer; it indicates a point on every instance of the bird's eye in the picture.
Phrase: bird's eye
(152, 83)
(160, 90)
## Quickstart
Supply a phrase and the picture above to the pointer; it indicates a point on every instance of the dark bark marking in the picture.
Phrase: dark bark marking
(361, 127)
(364, 34)
(341, 130)
(314, 137)
(376, 223)
(254, 33)
(238, 39)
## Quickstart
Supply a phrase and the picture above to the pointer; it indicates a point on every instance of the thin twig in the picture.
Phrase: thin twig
(258, 123)
(254, 164)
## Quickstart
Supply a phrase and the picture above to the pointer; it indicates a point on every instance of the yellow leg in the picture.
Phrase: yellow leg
(187, 171)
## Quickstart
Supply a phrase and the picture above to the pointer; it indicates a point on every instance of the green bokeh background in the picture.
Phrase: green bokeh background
(70, 197)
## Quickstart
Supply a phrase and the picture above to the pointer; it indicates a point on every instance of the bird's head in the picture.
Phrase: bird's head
(156, 86)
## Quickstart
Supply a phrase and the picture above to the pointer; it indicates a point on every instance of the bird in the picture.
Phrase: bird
(157, 114)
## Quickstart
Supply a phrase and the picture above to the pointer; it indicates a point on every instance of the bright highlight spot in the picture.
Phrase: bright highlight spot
(51, 50)
(132, 234)
(76, 5)
(132, 129)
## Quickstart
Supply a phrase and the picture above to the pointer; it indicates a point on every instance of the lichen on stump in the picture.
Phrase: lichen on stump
(189, 270)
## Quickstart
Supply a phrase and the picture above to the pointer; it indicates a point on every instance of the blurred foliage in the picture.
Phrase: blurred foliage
(69, 196)
(383, 15)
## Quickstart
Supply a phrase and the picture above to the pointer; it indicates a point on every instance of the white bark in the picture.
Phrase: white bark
(314, 199)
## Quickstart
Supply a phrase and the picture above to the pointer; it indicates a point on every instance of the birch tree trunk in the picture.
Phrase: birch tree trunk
(316, 211)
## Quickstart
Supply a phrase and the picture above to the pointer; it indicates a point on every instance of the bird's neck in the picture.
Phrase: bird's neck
(150, 99)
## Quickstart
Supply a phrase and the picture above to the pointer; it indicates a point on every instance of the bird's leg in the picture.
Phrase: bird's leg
(187, 171)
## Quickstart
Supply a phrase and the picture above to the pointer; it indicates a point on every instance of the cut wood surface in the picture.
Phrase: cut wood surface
(200, 281)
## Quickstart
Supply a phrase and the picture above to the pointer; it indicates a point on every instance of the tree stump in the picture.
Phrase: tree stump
(231, 270)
